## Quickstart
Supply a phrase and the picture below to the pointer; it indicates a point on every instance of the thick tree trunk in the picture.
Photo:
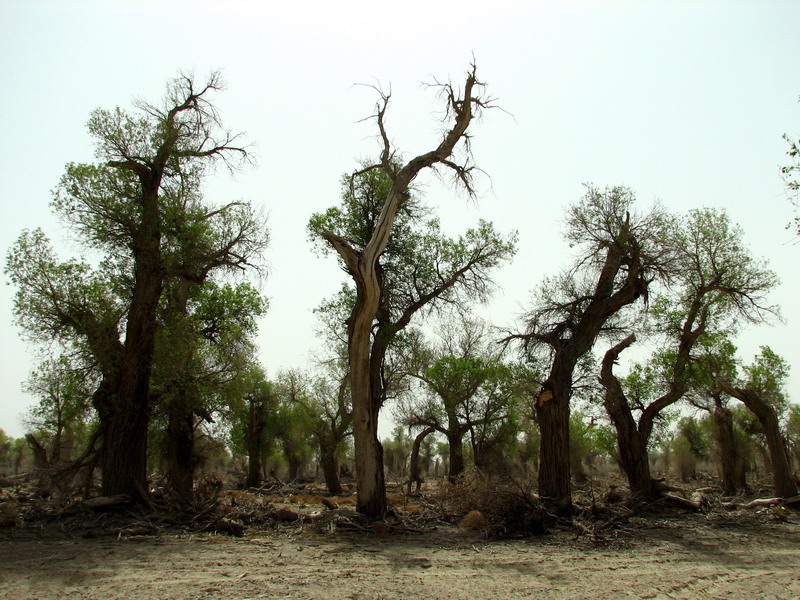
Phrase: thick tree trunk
(370, 478)
(455, 439)
(785, 484)
(370, 481)
(253, 469)
(124, 466)
(125, 456)
(552, 411)
(255, 428)
(731, 456)
(182, 460)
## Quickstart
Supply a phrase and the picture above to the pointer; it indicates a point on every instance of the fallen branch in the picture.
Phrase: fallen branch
(106, 502)
(763, 502)
(681, 502)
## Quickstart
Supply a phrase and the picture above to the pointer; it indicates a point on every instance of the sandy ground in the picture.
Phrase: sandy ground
(697, 558)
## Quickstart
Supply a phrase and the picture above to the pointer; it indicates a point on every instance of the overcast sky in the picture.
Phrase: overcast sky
(684, 102)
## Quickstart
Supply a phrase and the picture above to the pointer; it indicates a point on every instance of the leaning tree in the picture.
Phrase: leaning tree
(400, 262)
(760, 389)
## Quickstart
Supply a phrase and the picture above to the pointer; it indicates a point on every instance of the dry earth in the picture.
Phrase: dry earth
(688, 557)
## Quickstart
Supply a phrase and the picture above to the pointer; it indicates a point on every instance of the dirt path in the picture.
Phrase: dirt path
(680, 560)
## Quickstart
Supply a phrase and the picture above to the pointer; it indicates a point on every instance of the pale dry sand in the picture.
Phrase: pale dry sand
(687, 558)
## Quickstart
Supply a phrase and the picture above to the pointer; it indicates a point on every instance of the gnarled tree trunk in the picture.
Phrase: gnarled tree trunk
(414, 472)
(329, 461)
(785, 484)
(364, 269)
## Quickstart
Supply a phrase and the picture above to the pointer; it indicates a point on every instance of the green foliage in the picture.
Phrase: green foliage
(683, 458)
(716, 266)
(588, 441)
(6, 444)
(791, 177)
(255, 393)
(363, 196)
(396, 450)
(767, 375)
(291, 423)
(421, 267)
(792, 431)
(155, 300)
(691, 444)
(60, 419)
(54, 300)
(696, 436)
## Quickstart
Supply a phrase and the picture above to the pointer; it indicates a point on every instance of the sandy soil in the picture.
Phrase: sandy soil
(695, 558)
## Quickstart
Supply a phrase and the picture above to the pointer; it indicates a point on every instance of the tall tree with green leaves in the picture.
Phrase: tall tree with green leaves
(716, 360)
(716, 285)
(250, 416)
(621, 252)
(141, 209)
(400, 263)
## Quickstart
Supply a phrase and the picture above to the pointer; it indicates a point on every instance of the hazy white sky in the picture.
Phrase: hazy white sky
(684, 102)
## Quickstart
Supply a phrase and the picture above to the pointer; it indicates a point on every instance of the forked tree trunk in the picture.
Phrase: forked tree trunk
(633, 456)
(363, 267)
(553, 403)
(293, 459)
(785, 484)
(414, 471)
(40, 461)
(631, 441)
